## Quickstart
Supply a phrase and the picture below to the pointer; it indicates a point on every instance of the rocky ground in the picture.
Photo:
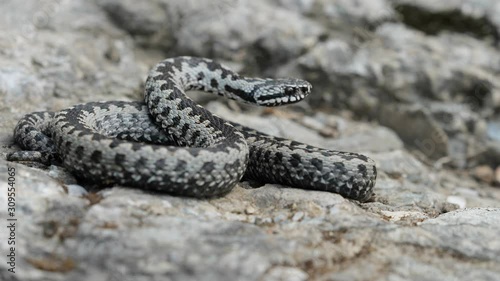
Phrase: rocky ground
(413, 84)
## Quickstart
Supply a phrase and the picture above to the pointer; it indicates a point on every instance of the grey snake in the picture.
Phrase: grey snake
(169, 143)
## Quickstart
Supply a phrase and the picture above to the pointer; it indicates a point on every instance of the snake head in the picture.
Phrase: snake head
(275, 92)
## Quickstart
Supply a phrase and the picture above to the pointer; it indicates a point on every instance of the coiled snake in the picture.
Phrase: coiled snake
(169, 143)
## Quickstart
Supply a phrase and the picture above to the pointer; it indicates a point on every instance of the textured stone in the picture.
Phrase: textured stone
(442, 232)
(400, 164)
(479, 18)
(401, 68)
(424, 134)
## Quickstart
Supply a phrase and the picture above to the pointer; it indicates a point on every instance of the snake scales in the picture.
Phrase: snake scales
(169, 143)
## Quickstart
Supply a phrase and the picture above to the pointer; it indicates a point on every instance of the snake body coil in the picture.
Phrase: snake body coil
(171, 144)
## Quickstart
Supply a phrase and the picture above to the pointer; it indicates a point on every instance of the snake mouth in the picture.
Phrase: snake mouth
(280, 99)
(288, 95)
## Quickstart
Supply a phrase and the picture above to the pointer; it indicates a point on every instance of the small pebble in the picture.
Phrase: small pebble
(76, 190)
(298, 216)
(497, 176)
(457, 200)
(263, 221)
(280, 218)
(280, 273)
(250, 210)
(484, 173)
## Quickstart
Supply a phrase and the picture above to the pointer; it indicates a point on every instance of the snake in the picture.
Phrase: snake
(168, 143)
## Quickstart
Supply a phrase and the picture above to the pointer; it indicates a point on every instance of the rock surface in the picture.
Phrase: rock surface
(421, 100)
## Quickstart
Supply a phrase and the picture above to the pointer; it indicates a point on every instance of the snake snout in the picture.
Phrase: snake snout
(297, 90)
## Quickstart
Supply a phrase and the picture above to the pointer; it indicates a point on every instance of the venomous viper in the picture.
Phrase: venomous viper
(169, 143)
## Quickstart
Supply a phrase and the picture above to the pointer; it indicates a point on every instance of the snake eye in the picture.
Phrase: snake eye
(304, 89)
(289, 91)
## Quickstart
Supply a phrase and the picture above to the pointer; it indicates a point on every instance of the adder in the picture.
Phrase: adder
(171, 144)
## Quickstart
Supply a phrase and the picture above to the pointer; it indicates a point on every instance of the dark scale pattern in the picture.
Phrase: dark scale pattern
(130, 143)
(302, 166)
(240, 93)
